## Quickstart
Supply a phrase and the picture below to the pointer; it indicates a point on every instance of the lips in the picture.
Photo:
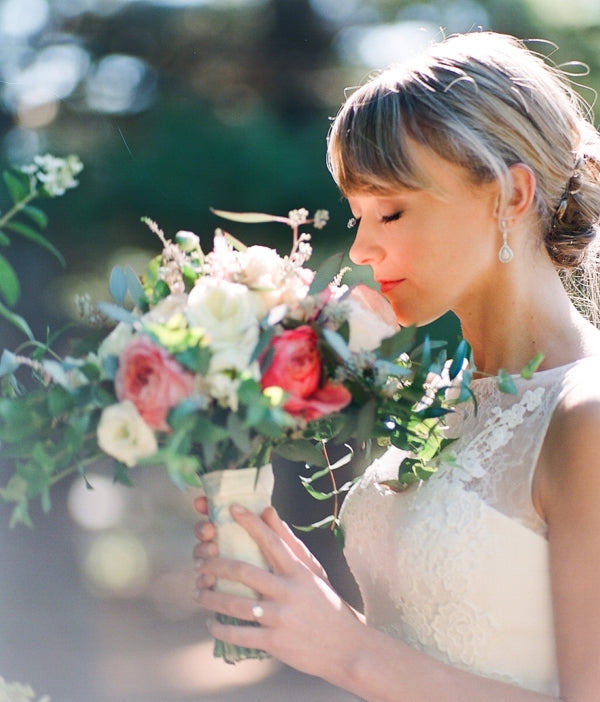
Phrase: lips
(387, 285)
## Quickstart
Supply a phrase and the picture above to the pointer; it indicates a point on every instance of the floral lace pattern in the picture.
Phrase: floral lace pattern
(457, 566)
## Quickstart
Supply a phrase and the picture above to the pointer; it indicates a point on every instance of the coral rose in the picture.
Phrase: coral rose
(153, 380)
(296, 368)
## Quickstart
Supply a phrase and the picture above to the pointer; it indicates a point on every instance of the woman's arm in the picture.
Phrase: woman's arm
(307, 626)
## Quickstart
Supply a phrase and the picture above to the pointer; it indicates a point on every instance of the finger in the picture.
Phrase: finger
(205, 550)
(244, 608)
(297, 547)
(245, 636)
(205, 581)
(205, 531)
(276, 552)
(201, 505)
(263, 582)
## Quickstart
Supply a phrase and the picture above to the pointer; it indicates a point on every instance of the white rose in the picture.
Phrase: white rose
(123, 434)
(226, 312)
(166, 309)
(116, 341)
(371, 319)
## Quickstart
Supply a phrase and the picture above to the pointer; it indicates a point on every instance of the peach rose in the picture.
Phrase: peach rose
(153, 380)
(296, 368)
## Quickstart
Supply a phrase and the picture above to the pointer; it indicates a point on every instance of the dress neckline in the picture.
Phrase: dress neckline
(541, 374)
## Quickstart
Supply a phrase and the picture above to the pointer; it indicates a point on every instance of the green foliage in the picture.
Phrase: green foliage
(46, 177)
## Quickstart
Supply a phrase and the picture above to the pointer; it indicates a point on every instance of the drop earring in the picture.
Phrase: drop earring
(505, 255)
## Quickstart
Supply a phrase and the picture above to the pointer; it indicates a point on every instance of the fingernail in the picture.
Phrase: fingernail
(238, 509)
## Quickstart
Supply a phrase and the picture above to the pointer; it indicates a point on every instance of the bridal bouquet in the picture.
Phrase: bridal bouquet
(212, 362)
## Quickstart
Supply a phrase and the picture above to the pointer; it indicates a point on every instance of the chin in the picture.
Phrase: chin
(414, 318)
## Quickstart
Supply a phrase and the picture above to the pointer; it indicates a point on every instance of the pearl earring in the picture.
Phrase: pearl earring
(505, 255)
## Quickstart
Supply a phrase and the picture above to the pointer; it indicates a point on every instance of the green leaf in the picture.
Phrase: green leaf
(302, 450)
(19, 186)
(37, 238)
(4, 240)
(9, 283)
(506, 383)
(118, 285)
(459, 359)
(366, 421)
(17, 321)
(399, 343)
(532, 366)
(326, 273)
(321, 524)
(337, 343)
(247, 217)
(36, 215)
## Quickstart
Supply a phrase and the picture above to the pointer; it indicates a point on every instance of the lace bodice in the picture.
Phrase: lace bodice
(458, 566)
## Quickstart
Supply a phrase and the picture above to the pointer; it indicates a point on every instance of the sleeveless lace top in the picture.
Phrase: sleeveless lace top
(457, 566)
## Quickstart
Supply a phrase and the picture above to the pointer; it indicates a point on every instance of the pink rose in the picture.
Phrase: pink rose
(153, 380)
(296, 368)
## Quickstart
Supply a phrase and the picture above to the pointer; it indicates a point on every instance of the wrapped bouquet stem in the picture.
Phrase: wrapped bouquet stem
(252, 488)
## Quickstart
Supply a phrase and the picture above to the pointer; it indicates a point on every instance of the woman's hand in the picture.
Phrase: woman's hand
(304, 623)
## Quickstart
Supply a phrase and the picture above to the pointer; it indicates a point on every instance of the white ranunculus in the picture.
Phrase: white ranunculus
(371, 319)
(226, 312)
(262, 270)
(116, 341)
(124, 435)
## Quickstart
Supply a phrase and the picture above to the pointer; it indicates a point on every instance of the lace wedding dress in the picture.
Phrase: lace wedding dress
(457, 566)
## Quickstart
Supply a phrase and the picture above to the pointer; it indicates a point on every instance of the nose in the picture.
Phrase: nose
(365, 250)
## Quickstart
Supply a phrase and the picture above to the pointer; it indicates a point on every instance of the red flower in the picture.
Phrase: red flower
(296, 368)
(153, 380)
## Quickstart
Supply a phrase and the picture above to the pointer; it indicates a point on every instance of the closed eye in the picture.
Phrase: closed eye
(386, 219)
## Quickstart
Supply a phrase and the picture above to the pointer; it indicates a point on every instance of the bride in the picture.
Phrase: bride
(473, 177)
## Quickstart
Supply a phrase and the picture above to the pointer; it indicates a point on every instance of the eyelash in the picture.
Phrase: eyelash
(386, 219)
(392, 218)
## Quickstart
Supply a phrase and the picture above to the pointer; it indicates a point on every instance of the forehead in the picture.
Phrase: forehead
(441, 178)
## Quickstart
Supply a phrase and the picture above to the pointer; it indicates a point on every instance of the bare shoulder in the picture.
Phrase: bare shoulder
(569, 465)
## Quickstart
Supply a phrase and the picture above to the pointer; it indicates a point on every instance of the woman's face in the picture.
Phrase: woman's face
(430, 253)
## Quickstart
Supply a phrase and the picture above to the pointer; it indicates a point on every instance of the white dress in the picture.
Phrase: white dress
(457, 567)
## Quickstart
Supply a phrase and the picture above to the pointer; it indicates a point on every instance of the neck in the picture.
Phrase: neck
(528, 313)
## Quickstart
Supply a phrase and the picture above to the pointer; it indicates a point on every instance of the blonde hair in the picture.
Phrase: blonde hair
(485, 102)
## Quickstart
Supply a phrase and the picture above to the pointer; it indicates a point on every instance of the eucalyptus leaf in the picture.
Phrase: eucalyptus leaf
(337, 343)
(326, 273)
(399, 343)
(506, 382)
(459, 359)
(135, 288)
(116, 313)
(117, 284)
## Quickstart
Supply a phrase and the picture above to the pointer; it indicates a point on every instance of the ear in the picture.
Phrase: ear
(522, 194)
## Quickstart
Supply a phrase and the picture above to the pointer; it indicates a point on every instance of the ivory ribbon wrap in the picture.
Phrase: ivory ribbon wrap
(250, 487)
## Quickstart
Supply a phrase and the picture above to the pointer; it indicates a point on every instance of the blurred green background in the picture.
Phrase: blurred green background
(175, 106)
